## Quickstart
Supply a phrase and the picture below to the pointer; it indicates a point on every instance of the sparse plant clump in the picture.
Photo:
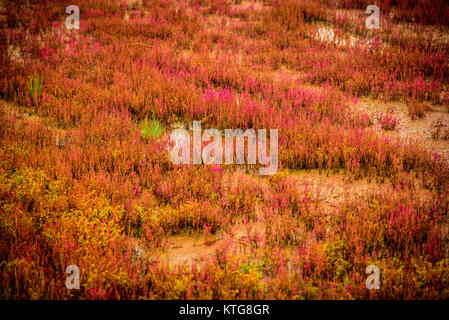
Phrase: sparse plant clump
(388, 121)
(366, 120)
(417, 109)
(440, 130)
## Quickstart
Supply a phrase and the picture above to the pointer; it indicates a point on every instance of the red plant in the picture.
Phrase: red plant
(388, 121)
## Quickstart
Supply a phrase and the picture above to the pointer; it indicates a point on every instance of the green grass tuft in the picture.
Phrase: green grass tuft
(151, 128)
